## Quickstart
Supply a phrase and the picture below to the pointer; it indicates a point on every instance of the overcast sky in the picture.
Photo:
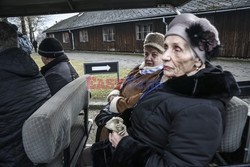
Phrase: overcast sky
(52, 19)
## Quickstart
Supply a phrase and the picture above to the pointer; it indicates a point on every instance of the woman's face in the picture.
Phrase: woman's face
(152, 57)
(178, 58)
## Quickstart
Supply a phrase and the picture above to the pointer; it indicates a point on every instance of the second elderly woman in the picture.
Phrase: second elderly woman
(142, 77)
(179, 122)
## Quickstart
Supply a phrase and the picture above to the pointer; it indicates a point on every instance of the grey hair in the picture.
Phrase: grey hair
(8, 36)
(192, 52)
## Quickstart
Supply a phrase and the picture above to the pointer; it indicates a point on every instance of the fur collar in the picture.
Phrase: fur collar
(211, 82)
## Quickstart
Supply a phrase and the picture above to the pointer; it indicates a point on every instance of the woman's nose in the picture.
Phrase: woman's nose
(149, 57)
(166, 56)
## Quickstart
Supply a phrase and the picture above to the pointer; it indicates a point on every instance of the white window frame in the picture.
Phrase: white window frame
(51, 35)
(108, 34)
(142, 30)
(83, 36)
(65, 36)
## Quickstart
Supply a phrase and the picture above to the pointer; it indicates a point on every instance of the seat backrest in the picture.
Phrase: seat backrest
(47, 131)
(247, 100)
(235, 120)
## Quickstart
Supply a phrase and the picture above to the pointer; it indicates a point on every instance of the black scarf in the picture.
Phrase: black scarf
(211, 82)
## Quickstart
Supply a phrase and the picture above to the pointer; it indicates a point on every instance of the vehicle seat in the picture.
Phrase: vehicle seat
(235, 121)
(57, 132)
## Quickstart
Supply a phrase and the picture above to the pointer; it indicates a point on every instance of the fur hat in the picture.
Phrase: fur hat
(50, 47)
(8, 36)
(155, 40)
(199, 33)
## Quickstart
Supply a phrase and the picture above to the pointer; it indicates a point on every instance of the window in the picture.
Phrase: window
(142, 30)
(51, 35)
(83, 34)
(65, 37)
(108, 34)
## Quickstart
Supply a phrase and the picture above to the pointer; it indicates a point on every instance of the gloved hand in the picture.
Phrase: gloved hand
(116, 125)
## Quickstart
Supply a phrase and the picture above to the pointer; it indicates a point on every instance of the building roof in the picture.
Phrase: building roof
(96, 18)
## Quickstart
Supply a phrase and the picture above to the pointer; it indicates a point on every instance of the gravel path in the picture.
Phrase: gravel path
(125, 61)
(92, 115)
(239, 68)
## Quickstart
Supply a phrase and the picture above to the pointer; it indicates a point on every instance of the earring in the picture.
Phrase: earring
(197, 69)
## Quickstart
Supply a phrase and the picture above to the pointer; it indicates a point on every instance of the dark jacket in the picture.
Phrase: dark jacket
(22, 91)
(59, 73)
(178, 124)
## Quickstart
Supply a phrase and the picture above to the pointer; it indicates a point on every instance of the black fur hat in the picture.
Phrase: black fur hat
(50, 47)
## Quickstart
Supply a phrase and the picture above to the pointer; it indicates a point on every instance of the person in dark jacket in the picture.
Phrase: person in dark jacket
(34, 43)
(22, 91)
(57, 71)
(179, 122)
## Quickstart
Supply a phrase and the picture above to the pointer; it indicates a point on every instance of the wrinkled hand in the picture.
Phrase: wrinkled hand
(115, 138)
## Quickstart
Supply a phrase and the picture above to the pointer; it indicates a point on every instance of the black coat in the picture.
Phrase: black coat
(34, 43)
(179, 124)
(22, 91)
(59, 73)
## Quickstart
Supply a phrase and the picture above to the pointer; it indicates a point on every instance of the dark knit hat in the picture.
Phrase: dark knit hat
(50, 47)
(155, 40)
(199, 33)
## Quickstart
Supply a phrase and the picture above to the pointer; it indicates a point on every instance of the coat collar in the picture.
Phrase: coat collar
(57, 60)
(211, 82)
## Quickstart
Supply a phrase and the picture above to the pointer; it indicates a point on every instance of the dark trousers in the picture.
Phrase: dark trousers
(85, 159)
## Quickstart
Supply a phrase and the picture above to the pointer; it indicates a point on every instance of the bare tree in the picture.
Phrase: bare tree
(23, 25)
(15, 20)
(31, 31)
(34, 23)
(5, 19)
(40, 35)
(31, 26)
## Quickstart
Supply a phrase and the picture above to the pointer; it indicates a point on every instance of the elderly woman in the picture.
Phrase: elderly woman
(126, 94)
(141, 78)
(180, 121)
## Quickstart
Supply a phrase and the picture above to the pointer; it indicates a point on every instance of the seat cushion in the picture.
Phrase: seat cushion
(47, 131)
(247, 100)
(235, 119)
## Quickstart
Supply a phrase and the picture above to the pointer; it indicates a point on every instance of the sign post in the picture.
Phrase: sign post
(102, 68)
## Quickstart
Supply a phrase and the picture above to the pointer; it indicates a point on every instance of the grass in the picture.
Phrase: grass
(100, 87)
